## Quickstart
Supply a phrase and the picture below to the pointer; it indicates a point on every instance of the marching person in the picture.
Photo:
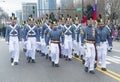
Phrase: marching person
(13, 37)
(31, 36)
(88, 40)
(23, 28)
(76, 42)
(54, 37)
(45, 31)
(61, 27)
(38, 44)
(82, 49)
(69, 36)
(104, 35)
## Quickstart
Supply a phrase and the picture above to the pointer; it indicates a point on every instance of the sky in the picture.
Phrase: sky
(10, 6)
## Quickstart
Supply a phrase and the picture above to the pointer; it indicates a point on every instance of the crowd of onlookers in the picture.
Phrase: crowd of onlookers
(2, 32)
(116, 32)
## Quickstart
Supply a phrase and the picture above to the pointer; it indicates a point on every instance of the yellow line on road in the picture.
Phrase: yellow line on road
(108, 72)
(111, 72)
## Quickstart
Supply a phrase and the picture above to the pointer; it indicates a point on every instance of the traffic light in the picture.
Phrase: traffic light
(33, 9)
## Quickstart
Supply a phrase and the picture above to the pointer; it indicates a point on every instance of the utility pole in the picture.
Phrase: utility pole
(82, 8)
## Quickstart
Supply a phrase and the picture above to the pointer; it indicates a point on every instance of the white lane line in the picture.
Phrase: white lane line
(112, 60)
(116, 50)
(117, 57)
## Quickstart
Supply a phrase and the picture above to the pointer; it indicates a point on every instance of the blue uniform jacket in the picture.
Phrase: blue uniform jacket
(31, 32)
(13, 31)
(103, 34)
(70, 31)
(89, 33)
(55, 34)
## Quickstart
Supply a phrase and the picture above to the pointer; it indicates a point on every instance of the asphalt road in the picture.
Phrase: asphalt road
(42, 71)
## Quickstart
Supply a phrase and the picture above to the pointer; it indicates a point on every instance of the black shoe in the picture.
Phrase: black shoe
(103, 69)
(11, 60)
(40, 52)
(15, 63)
(109, 50)
(50, 58)
(83, 61)
(86, 69)
(77, 56)
(53, 64)
(81, 57)
(43, 54)
(47, 56)
(33, 61)
(24, 50)
(57, 65)
(69, 59)
(66, 59)
(95, 65)
(29, 59)
(37, 51)
(64, 56)
(92, 72)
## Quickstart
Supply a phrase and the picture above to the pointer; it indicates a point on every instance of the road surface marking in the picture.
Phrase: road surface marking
(108, 72)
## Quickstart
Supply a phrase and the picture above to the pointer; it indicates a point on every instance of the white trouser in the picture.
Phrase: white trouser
(14, 48)
(54, 52)
(90, 56)
(31, 46)
(102, 52)
(62, 50)
(44, 48)
(82, 51)
(68, 46)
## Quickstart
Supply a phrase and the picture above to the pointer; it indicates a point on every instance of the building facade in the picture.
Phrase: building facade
(29, 9)
(46, 6)
(19, 16)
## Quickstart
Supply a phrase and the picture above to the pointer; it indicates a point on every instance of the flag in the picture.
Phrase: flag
(95, 12)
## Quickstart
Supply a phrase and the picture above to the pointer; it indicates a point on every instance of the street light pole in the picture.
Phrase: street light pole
(82, 8)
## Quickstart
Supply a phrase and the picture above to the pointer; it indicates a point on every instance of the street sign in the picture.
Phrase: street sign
(79, 9)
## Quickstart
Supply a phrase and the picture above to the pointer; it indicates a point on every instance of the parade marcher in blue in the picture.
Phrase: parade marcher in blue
(31, 36)
(89, 38)
(23, 30)
(38, 44)
(13, 38)
(69, 36)
(110, 40)
(54, 37)
(45, 30)
(61, 27)
(104, 35)
(76, 43)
